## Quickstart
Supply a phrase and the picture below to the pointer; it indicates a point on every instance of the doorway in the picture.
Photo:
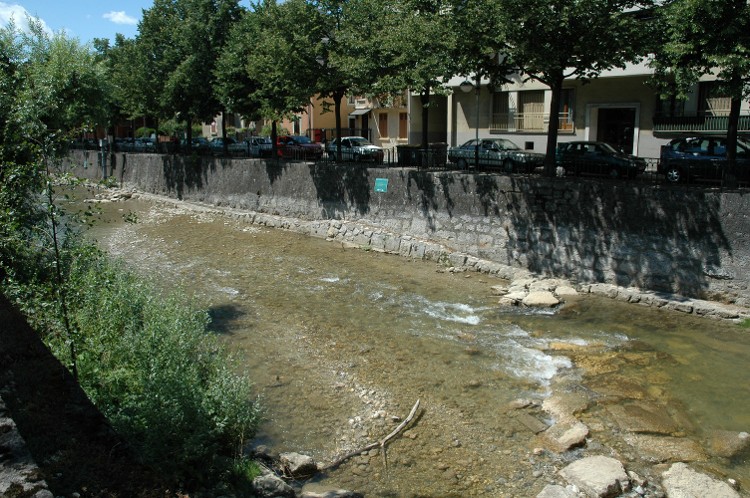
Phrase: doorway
(617, 126)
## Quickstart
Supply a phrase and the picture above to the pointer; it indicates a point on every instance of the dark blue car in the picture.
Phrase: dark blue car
(701, 157)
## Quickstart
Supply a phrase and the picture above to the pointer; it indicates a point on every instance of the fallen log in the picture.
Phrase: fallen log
(377, 444)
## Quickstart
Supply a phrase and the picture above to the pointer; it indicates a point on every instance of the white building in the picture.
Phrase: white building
(620, 107)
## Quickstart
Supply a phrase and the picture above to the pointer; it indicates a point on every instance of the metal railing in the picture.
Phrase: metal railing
(698, 124)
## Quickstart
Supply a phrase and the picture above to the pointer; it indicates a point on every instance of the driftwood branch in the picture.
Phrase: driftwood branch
(377, 444)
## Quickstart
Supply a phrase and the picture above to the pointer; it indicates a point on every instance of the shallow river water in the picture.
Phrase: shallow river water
(340, 344)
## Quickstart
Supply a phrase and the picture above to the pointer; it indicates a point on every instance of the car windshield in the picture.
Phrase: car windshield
(605, 147)
(506, 144)
(359, 142)
(302, 140)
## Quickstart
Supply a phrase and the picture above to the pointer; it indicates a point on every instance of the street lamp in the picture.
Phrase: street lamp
(466, 87)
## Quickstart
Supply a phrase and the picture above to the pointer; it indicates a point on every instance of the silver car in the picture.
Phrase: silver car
(497, 153)
(355, 149)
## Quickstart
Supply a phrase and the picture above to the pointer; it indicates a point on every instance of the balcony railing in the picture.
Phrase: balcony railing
(528, 122)
(698, 124)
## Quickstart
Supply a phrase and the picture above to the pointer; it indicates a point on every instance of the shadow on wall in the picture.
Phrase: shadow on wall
(341, 188)
(183, 172)
(659, 239)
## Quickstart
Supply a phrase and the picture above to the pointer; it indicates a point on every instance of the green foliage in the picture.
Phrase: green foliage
(152, 368)
(745, 323)
(702, 37)
(144, 131)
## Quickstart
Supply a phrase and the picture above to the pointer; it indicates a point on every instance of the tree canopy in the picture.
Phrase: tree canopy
(551, 40)
(707, 37)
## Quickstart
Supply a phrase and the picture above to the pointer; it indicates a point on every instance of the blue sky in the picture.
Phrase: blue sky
(83, 19)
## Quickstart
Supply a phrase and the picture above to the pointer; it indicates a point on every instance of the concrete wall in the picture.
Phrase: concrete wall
(688, 241)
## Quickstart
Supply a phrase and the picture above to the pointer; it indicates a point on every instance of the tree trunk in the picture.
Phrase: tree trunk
(425, 100)
(274, 142)
(730, 172)
(189, 133)
(337, 96)
(555, 85)
(224, 133)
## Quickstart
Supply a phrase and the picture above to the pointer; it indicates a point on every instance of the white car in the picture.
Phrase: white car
(355, 149)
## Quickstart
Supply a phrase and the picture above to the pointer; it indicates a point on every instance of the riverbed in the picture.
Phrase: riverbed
(341, 342)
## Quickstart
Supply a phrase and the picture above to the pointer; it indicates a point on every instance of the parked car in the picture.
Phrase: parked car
(234, 148)
(144, 144)
(299, 147)
(495, 153)
(355, 149)
(598, 158)
(261, 146)
(199, 145)
(701, 157)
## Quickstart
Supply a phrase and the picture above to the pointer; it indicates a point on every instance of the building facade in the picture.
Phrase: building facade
(621, 107)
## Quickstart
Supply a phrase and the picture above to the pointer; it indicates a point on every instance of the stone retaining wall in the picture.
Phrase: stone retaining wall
(686, 241)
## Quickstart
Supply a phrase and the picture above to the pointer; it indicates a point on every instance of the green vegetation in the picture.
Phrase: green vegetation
(148, 363)
(745, 323)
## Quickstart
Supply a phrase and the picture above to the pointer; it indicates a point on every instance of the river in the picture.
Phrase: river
(341, 342)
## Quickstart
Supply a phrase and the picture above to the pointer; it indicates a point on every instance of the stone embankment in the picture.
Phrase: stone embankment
(525, 288)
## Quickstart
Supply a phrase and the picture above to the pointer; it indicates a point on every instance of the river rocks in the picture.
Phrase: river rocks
(556, 491)
(533, 292)
(597, 476)
(562, 437)
(272, 486)
(729, 444)
(540, 299)
(665, 449)
(680, 481)
(297, 465)
(643, 417)
(564, 406)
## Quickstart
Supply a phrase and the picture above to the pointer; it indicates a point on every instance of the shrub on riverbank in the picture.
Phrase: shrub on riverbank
(149, 364)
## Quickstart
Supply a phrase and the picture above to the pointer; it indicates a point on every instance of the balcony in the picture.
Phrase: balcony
(686, 125)
(528, 122)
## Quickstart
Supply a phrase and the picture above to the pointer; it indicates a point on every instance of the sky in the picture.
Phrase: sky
(82, 19)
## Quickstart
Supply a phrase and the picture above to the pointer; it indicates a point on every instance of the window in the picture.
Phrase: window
(567, 104)
(383, 124)
(500, 111)
(530, 116)
(403, 121)
(670, 107)
(712, 99)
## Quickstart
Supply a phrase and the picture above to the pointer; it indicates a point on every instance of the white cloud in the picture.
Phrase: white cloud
(19, 15)
(120, 17)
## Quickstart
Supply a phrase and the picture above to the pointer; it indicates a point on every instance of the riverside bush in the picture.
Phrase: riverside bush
(150, 365)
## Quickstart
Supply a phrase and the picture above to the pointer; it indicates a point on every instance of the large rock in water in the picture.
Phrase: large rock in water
(540, 299)
(597, 476)
(271, 486)
(298, 465)
(680, 481)
(729, 444)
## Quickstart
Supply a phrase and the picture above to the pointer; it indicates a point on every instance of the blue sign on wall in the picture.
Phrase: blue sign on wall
(381, 184)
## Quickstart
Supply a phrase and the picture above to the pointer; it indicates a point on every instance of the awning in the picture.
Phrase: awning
(359, 112)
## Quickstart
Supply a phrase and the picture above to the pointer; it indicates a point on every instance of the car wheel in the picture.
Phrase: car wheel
(673, 175)
(462, 164)
(508, 166)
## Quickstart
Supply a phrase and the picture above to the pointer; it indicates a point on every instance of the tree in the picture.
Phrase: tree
(179, 42)
(284, 59)
(411, 47)
(551, 40)
(704, 37)
(234, 86)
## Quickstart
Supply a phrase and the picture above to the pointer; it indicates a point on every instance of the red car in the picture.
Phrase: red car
(298, 147)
